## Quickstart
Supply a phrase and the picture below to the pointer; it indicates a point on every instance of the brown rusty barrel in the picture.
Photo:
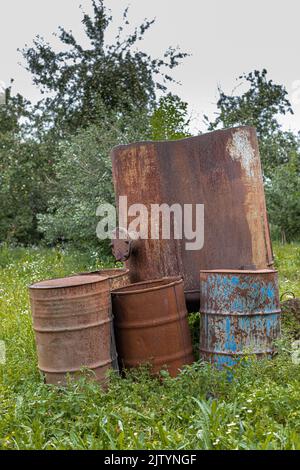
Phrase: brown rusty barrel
(220, 170)
(118, 277)
(72, 325)
(151, 325)
(240, 314)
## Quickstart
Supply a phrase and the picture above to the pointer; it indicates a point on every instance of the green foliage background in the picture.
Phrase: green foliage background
(54, 156)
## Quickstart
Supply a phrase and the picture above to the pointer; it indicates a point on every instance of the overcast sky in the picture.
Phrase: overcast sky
(225, 37)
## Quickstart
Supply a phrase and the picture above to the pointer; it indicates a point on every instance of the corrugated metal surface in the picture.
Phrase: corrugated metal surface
(71, 320)
(240, 314)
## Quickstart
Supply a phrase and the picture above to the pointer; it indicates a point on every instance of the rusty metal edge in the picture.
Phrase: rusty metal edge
(37, 285)
(98, 273)
(154, 142)
(240, 314)
(125, 290)
(239, 271)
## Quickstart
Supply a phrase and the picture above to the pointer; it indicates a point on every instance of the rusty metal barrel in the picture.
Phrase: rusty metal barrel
(240, 314)
(118, 277)
(72, 325)
(220, 170)
(151, 325)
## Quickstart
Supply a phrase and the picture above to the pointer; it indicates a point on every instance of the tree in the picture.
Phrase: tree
(283, 200)
(22, 191)
(25, 170)
(84, 179)
(14, 109)
(259, 106)
(170, 120)
(80, 80)
(54, 158)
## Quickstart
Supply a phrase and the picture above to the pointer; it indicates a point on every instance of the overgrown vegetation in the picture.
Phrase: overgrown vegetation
(54, 171)
(200, 409)
(54, 156)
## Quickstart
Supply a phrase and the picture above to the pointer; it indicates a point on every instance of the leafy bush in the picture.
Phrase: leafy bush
(84, 178)
(283, 200)
(24, 188)
(170, 120)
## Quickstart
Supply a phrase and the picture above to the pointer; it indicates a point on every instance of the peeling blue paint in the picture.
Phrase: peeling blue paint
(241, 314)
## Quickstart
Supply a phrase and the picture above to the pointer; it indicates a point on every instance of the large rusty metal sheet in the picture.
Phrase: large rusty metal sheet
(221, 170)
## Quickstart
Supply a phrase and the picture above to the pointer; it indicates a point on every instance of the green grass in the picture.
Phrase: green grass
(287, 261)
(200, 409)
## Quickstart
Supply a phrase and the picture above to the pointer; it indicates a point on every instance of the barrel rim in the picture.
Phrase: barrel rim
(94, 279)
(164, 282)
(238, 271)
(192, 291)
(118, 272)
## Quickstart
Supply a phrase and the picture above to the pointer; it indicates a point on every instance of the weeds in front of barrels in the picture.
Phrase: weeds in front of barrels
(200, 409)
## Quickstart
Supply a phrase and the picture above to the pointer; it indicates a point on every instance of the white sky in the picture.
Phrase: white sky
(225, 38)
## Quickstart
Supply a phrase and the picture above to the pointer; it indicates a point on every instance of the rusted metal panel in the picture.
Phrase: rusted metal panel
(240, 314)
(72, 325)
(221, 170)
(151, 325)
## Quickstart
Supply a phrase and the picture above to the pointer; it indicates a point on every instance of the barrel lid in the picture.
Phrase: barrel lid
(238, 271)
(69, 281)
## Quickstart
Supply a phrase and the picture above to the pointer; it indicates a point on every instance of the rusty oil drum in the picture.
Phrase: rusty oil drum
(221, 170)
(240, 314)
(118, 277)
(72, 325)
(151, 325)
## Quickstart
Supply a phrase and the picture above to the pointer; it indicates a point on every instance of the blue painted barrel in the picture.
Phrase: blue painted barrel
(240, 314)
